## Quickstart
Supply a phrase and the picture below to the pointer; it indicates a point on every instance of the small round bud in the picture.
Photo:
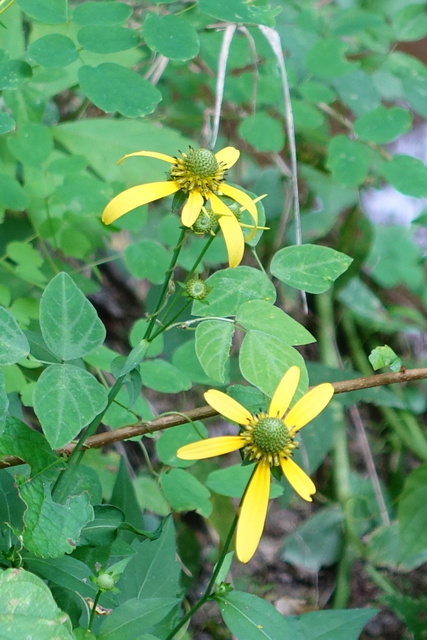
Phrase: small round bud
(205, 223)
(197, 289)
(105, 582)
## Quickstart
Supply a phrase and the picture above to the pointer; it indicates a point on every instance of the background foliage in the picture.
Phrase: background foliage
(84, 83)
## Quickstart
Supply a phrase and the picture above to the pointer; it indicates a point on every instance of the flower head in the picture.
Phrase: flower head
(268, 438)
(198, 174)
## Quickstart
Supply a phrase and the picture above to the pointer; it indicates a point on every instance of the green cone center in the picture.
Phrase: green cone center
(201, 163)
(271, 435)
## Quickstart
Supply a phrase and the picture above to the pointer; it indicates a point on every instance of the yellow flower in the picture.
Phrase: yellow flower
(199, 174)
(269, 439)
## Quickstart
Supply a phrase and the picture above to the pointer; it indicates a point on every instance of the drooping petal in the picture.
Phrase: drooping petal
(191, 208)
(242, 198)
(135, 197)
(253, 512)
(229, 156)
(230, 226)
(210, 448)
(150, 154)
(309, 406)
(298, 479)
(284, 393)
(228, 407)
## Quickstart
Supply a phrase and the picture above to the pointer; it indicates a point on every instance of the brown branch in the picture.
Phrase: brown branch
(201, 413)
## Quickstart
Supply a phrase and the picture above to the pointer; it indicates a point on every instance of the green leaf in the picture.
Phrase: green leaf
(162, 376)
(213, 343)
(66, 399)
(408, 175)
(231, 288)
(185, 493)
(7, 123)
(102, 530)
(49, 11)
(336, 624)
(384, 357)
(384, 550)
(326, 59)
(150, 496)
(4, 400)
(154, 571)
(358, 91)
(301, 548)
(53, 51)
(265, 317)
(31, 446)
(13, 343)
(127, 621)
(69, 323)
(414, 88)
(32, 144)
(107, 38)
(147, 259)
(97, 12)
(348, 161)
(12, 195)
(67, 572)
(172, 36)
(12, 72)
(11, 511)
(238, 11)
(383, 125)
(27, 607)
(262, 132)
(264, 359)
(412, 514)
(309, 267)
(232, 481)
(52, 529)
(410, 23)
(112, 87)
(251, 618)
(171, 439)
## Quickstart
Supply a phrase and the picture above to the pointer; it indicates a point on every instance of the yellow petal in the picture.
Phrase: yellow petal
(242, 198)
(228, 407)
(298, 479)
(191, 208)
(150, 154)
(309, 406)
(210, 447)
(229, 156)
(230, 226)
(253, 512)
(135, 197)
(284, 393)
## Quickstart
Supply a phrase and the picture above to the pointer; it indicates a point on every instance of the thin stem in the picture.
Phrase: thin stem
(94, 605)
(207, 594)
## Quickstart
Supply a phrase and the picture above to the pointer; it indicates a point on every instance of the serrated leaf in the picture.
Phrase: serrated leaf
(185, 493)
(112, 87)
(263, 316)
(27, 603)
(126, 622)
(171, 35)
(408, 175)
(264, 359)
(13, 343)
(348, 161)
(213, 342)
(231, 288)
(69, 323)
(53, 51)
(309, 267)
(66, 399)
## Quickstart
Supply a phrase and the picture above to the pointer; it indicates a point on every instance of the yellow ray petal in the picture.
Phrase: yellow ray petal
(298, 479)
(135, 197)
(242, 198)
(150, 154)
(210, 447)
(284, 393)
(228, 407)
(229, 156)
(253, 512)
(191, 208)
(309, 406)
(234, 240)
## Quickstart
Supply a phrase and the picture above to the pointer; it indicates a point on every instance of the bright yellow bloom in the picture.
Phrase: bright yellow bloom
(269, 439)
(200, 175)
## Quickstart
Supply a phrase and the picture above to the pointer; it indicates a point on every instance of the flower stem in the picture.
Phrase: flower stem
(94, 605)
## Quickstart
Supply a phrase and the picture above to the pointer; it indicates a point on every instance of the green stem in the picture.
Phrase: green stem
(94, 605)
(208, 591)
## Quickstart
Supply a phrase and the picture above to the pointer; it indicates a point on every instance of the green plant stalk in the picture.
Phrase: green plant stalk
(208, 591)
(401, 421)
(93, 611)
